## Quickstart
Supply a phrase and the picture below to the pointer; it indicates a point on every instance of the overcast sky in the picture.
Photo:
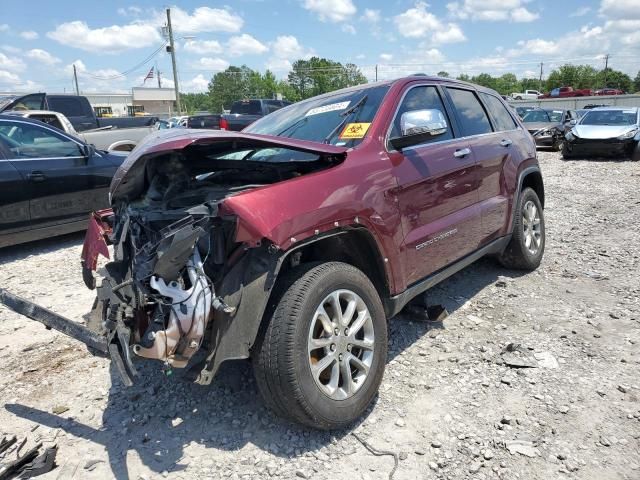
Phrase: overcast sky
(40, 40)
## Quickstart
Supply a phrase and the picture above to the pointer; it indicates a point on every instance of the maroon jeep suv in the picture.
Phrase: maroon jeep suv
(292, 242)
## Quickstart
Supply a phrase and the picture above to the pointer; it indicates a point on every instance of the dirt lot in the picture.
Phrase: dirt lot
(449, 406)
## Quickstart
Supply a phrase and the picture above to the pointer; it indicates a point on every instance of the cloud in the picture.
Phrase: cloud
(286, 49)
(522, 15)
(245, 45)
(203, 47)
(331, 10)
(371, 16)
(620, 9)
(29, 35)
(113, 39)
(203, 19)
(386, 57)
(42, 56)
(580, 12)
(417, 22)
(211, 64)
(11, 64)
(348, 28)
(130, 11)
(196, 85)
(492, 10)
(4, 27)
(8, 77)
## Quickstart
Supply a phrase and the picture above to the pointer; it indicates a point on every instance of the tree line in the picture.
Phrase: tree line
(315, 76)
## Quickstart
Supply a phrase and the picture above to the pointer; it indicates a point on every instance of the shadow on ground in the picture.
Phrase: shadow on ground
(40, 247)
(228, 414)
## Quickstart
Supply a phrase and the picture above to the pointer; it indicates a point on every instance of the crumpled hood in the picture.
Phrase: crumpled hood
(603, 132)
(129, 178)
(534, 127)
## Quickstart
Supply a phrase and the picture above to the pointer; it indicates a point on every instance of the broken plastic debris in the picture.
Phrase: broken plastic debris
(516, 356)
(523, 447)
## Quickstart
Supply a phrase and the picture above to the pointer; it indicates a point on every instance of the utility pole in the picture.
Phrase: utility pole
(376, 72)
(540, 79)
(158, 73)
(173, 61)
(606, 66)
(75, 79)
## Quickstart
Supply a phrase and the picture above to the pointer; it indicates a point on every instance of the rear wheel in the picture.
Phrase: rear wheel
(526, 247)
(322, 355)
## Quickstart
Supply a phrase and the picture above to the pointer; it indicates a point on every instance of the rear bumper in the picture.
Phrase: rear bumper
(601, 148)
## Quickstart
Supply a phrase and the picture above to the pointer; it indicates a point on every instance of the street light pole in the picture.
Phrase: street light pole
(173, 61)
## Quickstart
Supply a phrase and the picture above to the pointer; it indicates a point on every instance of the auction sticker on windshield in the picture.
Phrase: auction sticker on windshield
(355, 130)
(328, 108)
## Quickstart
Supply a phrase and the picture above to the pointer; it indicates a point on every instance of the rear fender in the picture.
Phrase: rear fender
(96, 242)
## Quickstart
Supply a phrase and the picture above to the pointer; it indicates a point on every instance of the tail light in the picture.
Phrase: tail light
(224, 125)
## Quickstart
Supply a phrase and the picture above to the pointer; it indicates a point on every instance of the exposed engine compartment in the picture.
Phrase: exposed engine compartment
(172, 249)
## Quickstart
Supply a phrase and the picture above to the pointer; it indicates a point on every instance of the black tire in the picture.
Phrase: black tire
(566, 152)
(516, 254)
(635, 155)
(281, 358)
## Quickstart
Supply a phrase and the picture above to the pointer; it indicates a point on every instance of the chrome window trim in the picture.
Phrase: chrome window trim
(440, 142)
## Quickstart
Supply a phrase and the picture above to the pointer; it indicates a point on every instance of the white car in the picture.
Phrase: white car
(527, 95)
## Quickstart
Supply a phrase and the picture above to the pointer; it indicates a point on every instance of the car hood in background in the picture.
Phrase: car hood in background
(129, 179)
(536, 126)
(601, 131)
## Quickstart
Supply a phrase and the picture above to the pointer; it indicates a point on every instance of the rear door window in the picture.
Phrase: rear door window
(502, 119)
(247, 107)
(473, 119)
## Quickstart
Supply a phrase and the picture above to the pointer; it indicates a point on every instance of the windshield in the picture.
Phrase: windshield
(340, 119)
(609, 117)
(543, 116)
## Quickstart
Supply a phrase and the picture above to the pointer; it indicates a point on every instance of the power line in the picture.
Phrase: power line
(129, 71)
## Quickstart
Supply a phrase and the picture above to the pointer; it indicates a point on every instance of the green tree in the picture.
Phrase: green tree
(443, 74)
(636, 83)
(614, 79)
(576, 76)
(485, 80)
(316, 76)
(195, 102)
(463, 77)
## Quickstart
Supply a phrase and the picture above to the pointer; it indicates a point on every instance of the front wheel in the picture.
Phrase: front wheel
(526, 247)
(321, 358)
(566, 151)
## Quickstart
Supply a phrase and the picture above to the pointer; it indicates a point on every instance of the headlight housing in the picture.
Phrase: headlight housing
(569, 136)
(628, 135)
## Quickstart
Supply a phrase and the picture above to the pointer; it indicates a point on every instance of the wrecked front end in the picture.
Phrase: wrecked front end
(189, 276)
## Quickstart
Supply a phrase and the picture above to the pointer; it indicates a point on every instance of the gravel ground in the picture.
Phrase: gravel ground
(449, 407)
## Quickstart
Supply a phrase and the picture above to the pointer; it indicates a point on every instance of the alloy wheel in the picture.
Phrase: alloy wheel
(531, 225)
(341, 344)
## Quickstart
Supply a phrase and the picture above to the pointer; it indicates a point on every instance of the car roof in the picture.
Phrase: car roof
(14, 117)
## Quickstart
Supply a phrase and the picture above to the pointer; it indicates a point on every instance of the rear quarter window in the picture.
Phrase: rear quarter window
(69, 106)
(502, 119)
(473, 118)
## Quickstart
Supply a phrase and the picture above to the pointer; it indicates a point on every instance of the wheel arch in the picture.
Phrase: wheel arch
(122, 146)
(532, 178)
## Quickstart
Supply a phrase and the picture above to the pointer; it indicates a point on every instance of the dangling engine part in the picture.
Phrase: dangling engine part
(189, 311)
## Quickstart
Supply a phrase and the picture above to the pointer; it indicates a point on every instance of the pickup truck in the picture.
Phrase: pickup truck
(527, 95)
(105, 138)
(75, 107)
(245, 112)
(294, 241)
(562, 92)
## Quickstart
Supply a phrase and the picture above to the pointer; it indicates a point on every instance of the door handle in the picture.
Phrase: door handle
(462, 152)
(36, 176)
(506, 142)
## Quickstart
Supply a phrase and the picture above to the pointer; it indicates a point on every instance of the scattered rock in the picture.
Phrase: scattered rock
(523, 447)
(546, 360)
(58, 409)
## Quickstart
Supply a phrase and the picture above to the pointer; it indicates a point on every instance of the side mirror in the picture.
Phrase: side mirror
(88, 150)
(573, 122)
(418, 126)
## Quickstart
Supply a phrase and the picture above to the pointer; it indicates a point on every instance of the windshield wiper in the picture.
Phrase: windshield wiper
(346, 114)
(293, 126)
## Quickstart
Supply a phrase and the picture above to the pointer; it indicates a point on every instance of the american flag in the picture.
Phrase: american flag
(149, 75)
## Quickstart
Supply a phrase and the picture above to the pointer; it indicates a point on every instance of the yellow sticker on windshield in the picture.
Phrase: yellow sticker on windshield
(355, 130)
